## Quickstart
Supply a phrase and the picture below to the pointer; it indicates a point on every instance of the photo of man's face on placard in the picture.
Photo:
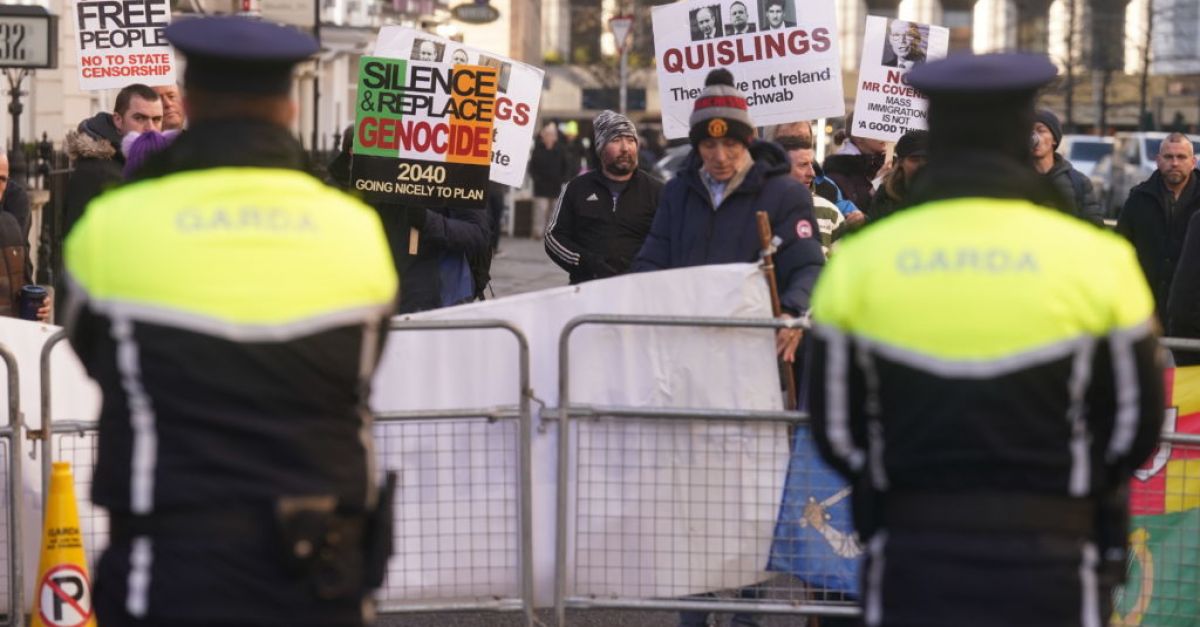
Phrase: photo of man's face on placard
(905, 45)
(777, 14)
(427, 50)
(740, 21)
(706, 22)
(459, 57)
(504, 71)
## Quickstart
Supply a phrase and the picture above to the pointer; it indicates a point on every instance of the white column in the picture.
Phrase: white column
(852, 19)
(1135, 34)
(556, 31)
(995, 26)
(923, 11)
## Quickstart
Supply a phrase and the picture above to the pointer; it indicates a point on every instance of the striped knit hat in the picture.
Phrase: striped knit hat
(610, 125)
(720, 111)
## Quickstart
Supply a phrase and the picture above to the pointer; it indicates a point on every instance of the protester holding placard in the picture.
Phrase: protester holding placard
(437, 271)
(95, 147)
(856, 164)
(707, 215)
(707, 212)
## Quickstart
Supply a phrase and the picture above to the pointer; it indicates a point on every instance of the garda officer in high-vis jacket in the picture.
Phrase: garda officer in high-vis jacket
(231, 308)
(987, 376)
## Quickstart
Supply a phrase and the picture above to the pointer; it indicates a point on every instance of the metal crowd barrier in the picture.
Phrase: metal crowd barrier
(506, 516)
(75, 441)
(1163, 586)
(605, 439)
(12, 578)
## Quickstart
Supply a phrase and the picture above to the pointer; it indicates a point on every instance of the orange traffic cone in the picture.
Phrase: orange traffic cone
(64, 591)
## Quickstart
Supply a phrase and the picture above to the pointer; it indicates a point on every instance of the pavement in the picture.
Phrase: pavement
(522, 266)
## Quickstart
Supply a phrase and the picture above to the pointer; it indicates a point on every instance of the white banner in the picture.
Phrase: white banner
(886, 106)
(121, 43)
(520, 92)
(785, 60)
(713, 492)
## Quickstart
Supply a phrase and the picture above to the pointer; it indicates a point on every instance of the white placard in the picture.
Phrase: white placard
(887, 107)
(785, 60)
(516, 105)
(121, 43)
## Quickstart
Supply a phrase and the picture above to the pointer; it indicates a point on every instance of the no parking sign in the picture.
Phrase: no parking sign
(65, 598)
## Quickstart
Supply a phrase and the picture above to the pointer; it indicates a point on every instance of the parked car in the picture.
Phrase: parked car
(1133, 160)
(672, 161)
(1085, 151)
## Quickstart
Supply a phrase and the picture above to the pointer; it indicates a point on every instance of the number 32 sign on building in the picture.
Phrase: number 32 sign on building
(28, 37)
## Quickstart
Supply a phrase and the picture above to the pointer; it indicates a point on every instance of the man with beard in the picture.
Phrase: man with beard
(1155, 216)
(603, 216)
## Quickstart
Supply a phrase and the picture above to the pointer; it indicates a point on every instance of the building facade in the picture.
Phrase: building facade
(1100, 45)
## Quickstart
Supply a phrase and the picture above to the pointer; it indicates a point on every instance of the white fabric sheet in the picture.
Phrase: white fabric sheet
(719, 540)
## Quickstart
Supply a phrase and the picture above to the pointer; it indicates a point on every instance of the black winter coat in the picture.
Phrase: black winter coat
(95, 150)
(591, 236)
(853, 175)
(1156, 235)
(689, 231)
(442, 231)
(1182, 316)
(1079, 199)
(549, 168)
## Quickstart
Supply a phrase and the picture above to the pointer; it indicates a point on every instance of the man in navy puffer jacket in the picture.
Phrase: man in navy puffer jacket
(706, 214)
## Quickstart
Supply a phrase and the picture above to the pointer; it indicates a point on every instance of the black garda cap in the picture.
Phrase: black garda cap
(983, 74)
(239, 55)
(981, 103)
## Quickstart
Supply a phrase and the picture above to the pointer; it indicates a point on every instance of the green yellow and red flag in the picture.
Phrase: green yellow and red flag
(1163, 587)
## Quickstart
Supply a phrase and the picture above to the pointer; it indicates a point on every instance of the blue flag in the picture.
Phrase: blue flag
(814, 537)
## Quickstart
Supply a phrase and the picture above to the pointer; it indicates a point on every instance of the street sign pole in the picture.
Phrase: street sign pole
(621, 25)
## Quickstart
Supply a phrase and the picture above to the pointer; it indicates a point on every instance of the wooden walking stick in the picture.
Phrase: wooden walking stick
(769, 241)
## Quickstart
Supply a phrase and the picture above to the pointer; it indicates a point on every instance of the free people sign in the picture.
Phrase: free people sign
(121, 42)
(783, 57)
(423, 132)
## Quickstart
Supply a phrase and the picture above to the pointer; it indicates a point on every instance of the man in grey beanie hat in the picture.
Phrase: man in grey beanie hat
(603, 215)
(1077, 196)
